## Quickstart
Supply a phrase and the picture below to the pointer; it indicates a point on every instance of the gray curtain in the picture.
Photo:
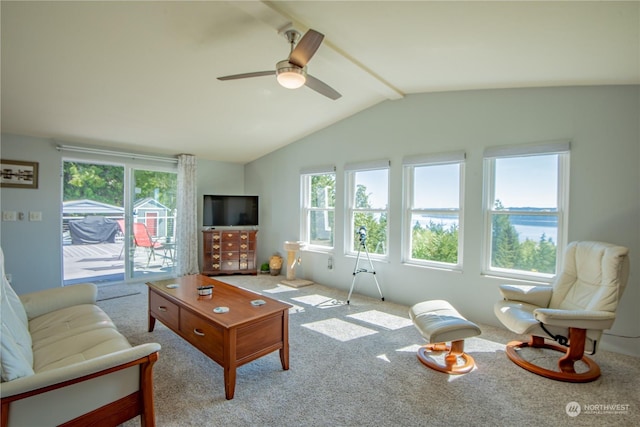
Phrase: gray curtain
(187, 217)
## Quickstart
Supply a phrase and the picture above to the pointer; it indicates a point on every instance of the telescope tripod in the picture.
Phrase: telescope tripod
(357, 269)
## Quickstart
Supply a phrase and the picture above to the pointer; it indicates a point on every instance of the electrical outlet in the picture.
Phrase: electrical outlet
(9, 216)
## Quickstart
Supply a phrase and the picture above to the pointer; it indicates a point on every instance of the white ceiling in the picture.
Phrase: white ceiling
(142, 75)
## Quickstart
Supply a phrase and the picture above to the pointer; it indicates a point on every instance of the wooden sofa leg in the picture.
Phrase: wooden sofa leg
(147, 413)
(4, 412)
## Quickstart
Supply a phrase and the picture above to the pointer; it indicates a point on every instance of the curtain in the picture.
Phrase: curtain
(187, 227)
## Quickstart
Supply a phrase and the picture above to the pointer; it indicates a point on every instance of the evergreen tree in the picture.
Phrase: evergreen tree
(505, 245)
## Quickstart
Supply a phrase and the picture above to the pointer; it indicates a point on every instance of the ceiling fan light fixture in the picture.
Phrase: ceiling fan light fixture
(290, 76)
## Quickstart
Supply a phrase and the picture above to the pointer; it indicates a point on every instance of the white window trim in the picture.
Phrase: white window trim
(562, 149)
(306, 209)
(409, 165)
(349, 239)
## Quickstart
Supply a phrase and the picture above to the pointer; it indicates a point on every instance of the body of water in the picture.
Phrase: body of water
(527, 229)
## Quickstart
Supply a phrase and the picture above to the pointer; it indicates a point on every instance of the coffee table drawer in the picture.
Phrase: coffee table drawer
(164, 310)
(203, 335)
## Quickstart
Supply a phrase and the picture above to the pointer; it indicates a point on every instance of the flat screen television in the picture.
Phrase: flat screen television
(229, 211)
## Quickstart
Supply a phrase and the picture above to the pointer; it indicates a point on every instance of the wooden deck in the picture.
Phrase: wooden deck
(104, 262)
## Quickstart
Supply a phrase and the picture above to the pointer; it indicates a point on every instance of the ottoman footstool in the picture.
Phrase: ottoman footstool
(439, 323)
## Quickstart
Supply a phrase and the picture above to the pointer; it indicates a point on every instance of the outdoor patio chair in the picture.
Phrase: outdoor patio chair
(142, 239)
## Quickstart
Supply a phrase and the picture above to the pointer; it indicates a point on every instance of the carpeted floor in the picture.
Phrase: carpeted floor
(356, 365)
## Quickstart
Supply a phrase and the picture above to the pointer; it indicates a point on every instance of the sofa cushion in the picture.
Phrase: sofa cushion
(16, 356)
(78, 348)
(66, 322)
(13, 362)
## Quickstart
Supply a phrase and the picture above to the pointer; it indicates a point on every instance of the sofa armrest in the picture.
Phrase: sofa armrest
(43, 302)
(583, 319)
(93, 367)
(535, 295)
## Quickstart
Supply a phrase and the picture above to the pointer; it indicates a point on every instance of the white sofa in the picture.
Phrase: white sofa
(64, 362)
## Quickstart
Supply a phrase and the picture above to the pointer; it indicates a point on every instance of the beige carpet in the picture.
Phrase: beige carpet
(356, 365)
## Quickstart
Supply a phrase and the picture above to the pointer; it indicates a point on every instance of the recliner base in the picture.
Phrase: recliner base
(573, 354)
(451, 366)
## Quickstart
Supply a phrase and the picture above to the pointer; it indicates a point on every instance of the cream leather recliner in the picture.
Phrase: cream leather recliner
(574, 311)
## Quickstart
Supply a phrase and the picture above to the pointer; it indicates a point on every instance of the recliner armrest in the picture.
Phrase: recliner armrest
(77, 370)
(583, 319)
(535, 295)
(43, 302)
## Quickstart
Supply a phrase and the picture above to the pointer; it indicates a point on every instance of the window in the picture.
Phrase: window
(526, 190)
(433, 209)
(368, 206)
(318, 208)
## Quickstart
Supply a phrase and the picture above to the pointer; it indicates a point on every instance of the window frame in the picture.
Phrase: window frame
(409, 166)
(562, 150)
(306, 208)
(350, 239)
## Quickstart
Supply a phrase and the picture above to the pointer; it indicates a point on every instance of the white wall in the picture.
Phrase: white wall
(32, 250)
(601, 122)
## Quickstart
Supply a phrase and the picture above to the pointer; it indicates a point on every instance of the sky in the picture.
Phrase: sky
(520, 182)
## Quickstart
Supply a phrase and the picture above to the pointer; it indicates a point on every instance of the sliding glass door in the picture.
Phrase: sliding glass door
(118, 221)
(153, 222)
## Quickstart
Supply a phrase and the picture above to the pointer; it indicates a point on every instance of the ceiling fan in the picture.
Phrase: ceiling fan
(292, 72)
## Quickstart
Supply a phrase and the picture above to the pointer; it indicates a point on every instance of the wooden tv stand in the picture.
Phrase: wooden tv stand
(231, 251)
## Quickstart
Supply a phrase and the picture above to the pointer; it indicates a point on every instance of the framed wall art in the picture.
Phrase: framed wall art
(18, 174)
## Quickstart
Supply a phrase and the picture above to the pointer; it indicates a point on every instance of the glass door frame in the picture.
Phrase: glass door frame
(130, 163)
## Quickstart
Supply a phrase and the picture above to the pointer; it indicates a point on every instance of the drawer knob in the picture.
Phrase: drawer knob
(198, 333)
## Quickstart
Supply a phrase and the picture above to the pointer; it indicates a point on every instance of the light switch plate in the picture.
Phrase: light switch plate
(35, 216)
(9, 215)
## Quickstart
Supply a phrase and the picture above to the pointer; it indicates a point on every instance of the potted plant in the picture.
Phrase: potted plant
(264, 268)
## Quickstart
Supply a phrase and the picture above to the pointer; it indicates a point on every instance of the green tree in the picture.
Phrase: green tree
(435, 243)
(102, 183)
(505, 248)
(376, 227)
(160, 186)
(323, 195)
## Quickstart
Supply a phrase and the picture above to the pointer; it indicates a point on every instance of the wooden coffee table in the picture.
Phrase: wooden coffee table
(245, 333)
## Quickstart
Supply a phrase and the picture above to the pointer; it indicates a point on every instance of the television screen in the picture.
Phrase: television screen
(224, 211)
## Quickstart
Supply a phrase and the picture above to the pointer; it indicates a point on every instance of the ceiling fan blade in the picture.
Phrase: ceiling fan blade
(322, 88)
(306, 48)
(248, 75)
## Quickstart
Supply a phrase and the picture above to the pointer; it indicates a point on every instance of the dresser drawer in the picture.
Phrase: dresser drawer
(229, 246)
(229, 265)
(164, 310)
(229, 256)
(205, 336)
(232, 235)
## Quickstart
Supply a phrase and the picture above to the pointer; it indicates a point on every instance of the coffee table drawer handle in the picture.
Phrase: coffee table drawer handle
(162, 308)
(197, 332)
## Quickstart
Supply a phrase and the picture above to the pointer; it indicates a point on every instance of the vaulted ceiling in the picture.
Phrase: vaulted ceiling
(142, 75)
